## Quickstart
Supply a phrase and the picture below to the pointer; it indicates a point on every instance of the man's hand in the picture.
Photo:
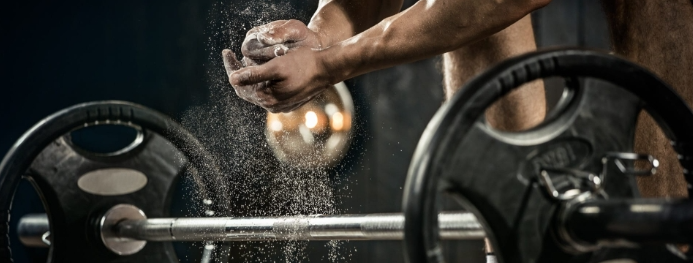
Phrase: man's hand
(279, 86)
(283, 83)
(268, 41)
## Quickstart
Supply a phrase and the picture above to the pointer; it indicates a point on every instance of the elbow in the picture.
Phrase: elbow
(521, 8)
(532, 5)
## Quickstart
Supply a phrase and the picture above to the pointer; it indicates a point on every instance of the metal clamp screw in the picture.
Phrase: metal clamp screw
(595, 182)
(620, 157)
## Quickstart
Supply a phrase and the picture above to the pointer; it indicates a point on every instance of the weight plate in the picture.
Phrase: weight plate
(45, 155)
(497, 174)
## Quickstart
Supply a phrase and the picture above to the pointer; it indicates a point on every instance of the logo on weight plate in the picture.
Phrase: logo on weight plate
(564, 153)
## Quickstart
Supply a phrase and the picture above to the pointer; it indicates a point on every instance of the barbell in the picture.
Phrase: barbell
(563, 191)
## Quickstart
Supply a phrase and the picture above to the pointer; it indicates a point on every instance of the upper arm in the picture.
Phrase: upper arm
(361, 14)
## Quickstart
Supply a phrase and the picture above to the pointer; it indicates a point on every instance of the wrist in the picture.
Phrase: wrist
(331, 25)
(332, 64)
(324, 40)
(323, 37)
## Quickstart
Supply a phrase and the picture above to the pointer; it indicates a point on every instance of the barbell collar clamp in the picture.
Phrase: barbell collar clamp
(627, 222)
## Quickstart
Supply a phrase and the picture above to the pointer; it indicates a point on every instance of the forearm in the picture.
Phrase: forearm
(336, 20)
(426, 29)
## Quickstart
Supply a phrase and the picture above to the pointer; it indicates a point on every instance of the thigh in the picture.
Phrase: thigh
(658, 35)
(520, 109)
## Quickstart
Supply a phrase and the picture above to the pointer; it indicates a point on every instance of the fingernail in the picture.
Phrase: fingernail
(266, 39)
(260, 37)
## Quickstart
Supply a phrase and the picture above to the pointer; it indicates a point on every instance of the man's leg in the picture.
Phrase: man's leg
(522, 108)
(658, 35)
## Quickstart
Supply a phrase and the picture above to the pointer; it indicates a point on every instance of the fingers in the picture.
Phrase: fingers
(274, 39)
(231, 64)
(252, 31)
(294, 107)
(262, 95)
(269, 26)
(266, 53)
(250, 45)
(254, 75)
(247, 62)
(280, 32)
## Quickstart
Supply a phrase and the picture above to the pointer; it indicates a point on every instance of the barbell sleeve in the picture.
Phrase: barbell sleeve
(33, 230)
(453, 225)
(623, 222)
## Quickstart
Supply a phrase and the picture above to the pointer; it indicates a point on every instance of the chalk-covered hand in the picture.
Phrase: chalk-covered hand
(275, 39)
(274, 83)
(281, 84)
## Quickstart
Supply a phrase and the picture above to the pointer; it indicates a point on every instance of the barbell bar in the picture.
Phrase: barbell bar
(453, 225)
(124, 228)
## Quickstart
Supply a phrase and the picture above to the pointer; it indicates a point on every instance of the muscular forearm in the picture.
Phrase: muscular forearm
(336, 20)
(426, 29)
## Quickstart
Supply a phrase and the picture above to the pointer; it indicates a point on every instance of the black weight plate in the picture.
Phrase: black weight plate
(40, 151)
(495, 174)
(56, 173)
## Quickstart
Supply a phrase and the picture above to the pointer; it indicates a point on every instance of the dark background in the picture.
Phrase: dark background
(162, 54)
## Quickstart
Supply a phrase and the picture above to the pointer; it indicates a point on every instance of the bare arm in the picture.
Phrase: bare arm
(428, 28)
(336, 20)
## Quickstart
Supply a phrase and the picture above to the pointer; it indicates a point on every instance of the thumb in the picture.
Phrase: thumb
(231, 64)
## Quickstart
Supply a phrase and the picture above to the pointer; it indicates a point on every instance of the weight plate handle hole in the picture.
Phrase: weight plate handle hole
(106, 139)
